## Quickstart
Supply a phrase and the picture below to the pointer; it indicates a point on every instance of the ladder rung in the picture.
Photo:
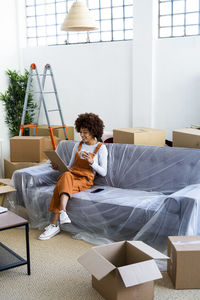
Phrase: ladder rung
(41, 75)
(31, 109)
(43, 92)
(53, 110)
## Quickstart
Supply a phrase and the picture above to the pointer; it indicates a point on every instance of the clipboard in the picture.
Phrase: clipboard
(56, 159)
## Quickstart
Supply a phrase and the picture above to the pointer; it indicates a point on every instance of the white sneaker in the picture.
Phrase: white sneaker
(64, 218)
(49, 232)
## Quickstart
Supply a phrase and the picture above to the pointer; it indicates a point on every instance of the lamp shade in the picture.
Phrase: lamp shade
(78, 18)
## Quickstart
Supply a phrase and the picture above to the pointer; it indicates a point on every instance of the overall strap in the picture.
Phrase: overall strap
(79, 146)
(97, 148)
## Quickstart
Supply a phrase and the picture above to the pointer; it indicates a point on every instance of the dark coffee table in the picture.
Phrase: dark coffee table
(8, 258)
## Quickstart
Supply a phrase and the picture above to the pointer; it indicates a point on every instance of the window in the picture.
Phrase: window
(114, 20)
(179, 18)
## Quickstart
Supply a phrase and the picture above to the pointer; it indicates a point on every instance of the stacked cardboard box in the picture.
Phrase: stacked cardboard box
(184, 263)
(186, 137)
(43, 130)
(139, 136)
(26, 151)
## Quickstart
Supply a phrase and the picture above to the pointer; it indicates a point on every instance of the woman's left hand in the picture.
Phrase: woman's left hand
(88, 157)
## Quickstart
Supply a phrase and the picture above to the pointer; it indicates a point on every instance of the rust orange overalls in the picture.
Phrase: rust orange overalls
(80, 177)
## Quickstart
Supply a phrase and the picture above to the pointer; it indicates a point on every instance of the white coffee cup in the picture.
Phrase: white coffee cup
(81, 153)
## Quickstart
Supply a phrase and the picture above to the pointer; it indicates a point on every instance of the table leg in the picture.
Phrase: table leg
(28, 250)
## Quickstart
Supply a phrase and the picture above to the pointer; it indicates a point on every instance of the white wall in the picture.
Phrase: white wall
(177, 95)
(9, 58)
(89, 78)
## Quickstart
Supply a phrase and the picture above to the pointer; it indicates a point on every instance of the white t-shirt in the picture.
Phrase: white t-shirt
(100, 159)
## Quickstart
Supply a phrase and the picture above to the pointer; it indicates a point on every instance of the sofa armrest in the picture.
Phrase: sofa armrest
(186, 203)
(35, 176)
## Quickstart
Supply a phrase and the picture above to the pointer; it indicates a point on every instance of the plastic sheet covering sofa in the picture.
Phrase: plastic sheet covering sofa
(149, 193)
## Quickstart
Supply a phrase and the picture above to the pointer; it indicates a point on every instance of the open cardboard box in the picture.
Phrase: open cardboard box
(123, 270)
(5, 187)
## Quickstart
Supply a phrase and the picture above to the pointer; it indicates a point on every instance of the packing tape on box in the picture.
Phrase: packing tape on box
(186, 242)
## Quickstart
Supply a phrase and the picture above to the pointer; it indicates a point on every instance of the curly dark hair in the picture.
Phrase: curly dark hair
(92, 122)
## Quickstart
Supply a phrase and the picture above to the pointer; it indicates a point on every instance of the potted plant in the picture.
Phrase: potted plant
(13, 100)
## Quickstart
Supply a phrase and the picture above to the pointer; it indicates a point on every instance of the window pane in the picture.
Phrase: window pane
(105, 3)
(165, 21)
(40, 1)
(165, 8)
(178, 20)
(61, 7)
(51, 40)
(106, 36)
(41, 41)
(129, 34)
(51, 30)
(192, 30)
(192, 18)
(165, 32)
(128, 23)
(95, 14)
(93, 3)
(106, 13)
(30, 2)
(94, 37)
(41, 21)
(50, 9)
(178, 31)
(50, 19)
(60, 18)
(30, 11)
(178, 7)
(31, 21)
(118, 12)
(41, 31)
(117, 3)
(31, 32)
(106, 25)
(128, 11)
(32, 42)
(61, 39)
(192, 5)
(118, 35)
(118, 24)
(40, 9)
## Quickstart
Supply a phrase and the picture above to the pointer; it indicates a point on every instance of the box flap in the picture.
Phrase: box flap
(139, 273)
(96, 264)
(5, 186)
(148, 250)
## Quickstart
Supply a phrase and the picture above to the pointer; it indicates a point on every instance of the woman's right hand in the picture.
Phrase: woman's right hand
(54, 166)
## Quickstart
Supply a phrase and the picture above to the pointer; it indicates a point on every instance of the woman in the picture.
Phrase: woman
(88, 158)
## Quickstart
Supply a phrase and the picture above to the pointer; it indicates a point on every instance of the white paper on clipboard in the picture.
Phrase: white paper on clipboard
(56, 159)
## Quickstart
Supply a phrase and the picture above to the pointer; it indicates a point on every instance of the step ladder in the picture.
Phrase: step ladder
(33, 72)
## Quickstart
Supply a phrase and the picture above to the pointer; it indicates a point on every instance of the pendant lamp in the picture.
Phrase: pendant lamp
(79, 18)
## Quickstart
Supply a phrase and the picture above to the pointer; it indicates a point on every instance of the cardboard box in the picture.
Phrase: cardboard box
(43, 130)
(139, 136)
(184, 264)
(5, 187)
(29, 148)
(123, 270)
(10, 167)
(186, 137)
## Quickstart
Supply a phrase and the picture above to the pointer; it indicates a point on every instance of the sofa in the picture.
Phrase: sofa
(149, 193)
